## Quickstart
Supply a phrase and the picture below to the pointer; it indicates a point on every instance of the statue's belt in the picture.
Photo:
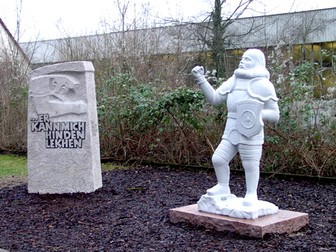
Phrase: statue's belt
(232, 115)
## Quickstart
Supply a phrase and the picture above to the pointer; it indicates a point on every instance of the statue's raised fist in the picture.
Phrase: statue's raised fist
(197, 72)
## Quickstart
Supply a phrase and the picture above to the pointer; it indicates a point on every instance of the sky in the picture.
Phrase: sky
(52, 19)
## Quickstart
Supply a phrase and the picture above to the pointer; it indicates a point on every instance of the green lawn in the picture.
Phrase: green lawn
(12, 165)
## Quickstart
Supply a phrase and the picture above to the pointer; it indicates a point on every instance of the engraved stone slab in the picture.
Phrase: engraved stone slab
(281, 222)
(63, 140)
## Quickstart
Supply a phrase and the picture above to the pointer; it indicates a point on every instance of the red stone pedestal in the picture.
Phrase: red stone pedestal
(281, 222)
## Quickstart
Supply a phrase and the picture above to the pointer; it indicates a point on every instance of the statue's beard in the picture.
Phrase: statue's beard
(251, 73)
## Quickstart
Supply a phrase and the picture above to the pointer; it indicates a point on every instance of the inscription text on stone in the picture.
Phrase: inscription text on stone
(59, 134)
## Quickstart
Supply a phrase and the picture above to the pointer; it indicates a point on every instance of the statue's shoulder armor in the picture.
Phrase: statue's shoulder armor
(227, 86)
(262, 89)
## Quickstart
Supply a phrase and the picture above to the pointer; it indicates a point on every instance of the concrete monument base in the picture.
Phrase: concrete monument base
(281, 222)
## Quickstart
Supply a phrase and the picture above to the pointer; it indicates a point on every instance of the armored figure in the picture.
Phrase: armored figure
(251, 99)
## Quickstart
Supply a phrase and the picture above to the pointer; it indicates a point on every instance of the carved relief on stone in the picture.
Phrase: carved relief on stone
(60, 97)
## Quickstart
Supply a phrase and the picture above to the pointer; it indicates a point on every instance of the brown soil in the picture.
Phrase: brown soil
(11, 181)
(131, 213)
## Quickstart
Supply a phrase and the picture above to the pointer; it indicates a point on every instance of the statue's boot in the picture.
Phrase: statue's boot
(222, 170)
(219, 189)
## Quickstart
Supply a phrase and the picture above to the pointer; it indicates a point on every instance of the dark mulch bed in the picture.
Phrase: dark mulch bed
(131, 213)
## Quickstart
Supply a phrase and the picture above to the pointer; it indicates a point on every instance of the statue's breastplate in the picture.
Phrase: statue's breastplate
(243, 126)
(238, 93)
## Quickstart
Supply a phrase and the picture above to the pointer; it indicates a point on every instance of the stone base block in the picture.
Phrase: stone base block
(281, 222)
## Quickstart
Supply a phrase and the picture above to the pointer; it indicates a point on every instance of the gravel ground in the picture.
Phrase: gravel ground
(131, 213)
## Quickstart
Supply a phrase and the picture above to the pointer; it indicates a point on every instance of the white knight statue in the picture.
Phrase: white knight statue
(250, 99)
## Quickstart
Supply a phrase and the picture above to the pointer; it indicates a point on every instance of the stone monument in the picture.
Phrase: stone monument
(63, 139)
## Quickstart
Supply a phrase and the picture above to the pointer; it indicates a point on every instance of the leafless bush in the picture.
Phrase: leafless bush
(13, 100)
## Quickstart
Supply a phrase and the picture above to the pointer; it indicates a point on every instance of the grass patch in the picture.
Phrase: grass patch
(111, 166)
(12, 165)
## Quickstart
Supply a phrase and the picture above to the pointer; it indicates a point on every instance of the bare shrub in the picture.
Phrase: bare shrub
(13, 100)
(303, 140)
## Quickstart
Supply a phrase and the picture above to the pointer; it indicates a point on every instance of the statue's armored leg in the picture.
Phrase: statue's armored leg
(250, 155)
(220, 160)
(252, 179)
(222, 171)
